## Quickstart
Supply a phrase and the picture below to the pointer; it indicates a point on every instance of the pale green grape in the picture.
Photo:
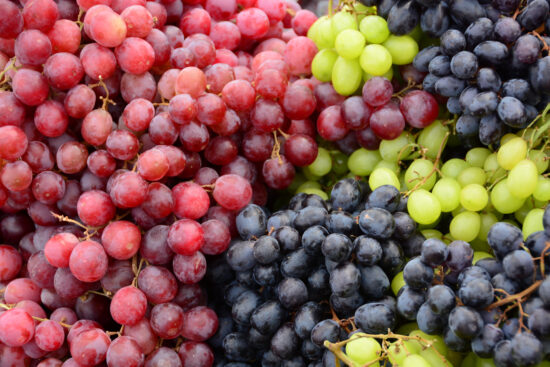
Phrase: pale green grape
(453, 167)
(479, 245)
(472, 175)
(484, 362)
(374, 28)
(389, 165)
(418, 171)
(487, 221)
(423, 207)
(477, 156)
(432, 358)
(361, 10)
(503, 200)
(522, 179)
(397, 283)
(383, 176)
(398, 351)
(313, 32)
(511, 153)
(308, 175)
(431, 233)
(506, 138)
(416, 33)
(362, 349)
(431, 138)
(308, 185)
(458, 210)
(447, 191)
(478, 255)
(375, 59)
(408, 328)
(322, 164)
(299, 179)
(322, 64)
(343, 20)
(339, 163)
(542, 192)
(540, 159)
(493, 170)
(325, 35)
(349, 43)
(465, 226)
(532, 222)
(346, 76)
(474, 197)
(396, 149)
(318, 192)
(436, 340)
(388, 75)
(403, 49)
(362, 161)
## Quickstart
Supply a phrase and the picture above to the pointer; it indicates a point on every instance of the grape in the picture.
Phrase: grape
(362, 350)
(447, 190)
(522, 179)
(375, 59)
(342, 21)
(431, 138)
(323, 63)
(349, 43)
(346, 76)
(362, 161)
(374, 28)
(383, 176)
(474, 197)
(532, 222)
(396, 149)
(423, 207)
(503, 200)
(402, 49)
(418, 171)
(465, 226)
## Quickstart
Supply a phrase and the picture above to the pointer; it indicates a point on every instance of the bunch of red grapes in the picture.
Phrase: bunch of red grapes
(131, 134)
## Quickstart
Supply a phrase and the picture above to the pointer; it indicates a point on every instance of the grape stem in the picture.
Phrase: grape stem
(137, 267)
(515, 297)
(10, 306)
(276, 149)
(106, 100)
(434, 169)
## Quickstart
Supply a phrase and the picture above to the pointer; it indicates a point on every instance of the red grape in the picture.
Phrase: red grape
(128, 305)
(419, 108)
(88, 261)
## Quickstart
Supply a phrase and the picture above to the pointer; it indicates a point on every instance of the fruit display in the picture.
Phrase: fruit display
(195, 183)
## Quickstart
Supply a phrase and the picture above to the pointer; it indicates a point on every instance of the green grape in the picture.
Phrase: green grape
(484, 362)
(469, 360)
(416, 33)
(447, 191)
(325, 35)
(388, 75)
(346, 76)
(474, 197)
(383, 176)
(522, 212)
(374, 28)
(343, 20)
(322, 164)
(322, 64)
(472, 175)
(454, 358)
(318, 192)
(436, 340)
(431, 233)
(362, 349)
(299, 179)
(487, 221)
(389, 165)
(418, 171)
(399, 350)
(362, 161)
(339, 163)
(493, 170)
(453, 167)
(396, 149)
(542, 192)
(506, 138)
(431, 138)
(423, 206)
(308, 185)
(540, 159)
(522, 179)
(479, 245)
(511, 153)
(476, 157)
(310, 176)
(415, 360)
(447, 238)
(532, 222)
(403, 49)
(503, 200)
(313, 32)
(543, 364)
(362, 10)
(406, 329)
(458, 210)
(375, 59)
(465, 226)
(349, 43)
(478, 255)
(397, 283)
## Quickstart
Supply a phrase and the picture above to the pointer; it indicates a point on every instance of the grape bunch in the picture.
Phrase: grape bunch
(355, 45)
(497, 307)
(493, 68)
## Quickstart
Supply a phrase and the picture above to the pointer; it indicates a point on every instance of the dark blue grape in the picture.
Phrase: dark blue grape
(477, 293)
(285, 343)
(346, 306)
(453, 105)
(440, 299)
(405, 226)
(472, 273)
(409, 301)
(491, 52)
(434, 21)
(280, 218)
(345, 195)
(219, 271)
(309, 217)
(502, 354)
(337, 247)
(318, 283)
(504, 238)
(315, 200)
(434, 252)
(392, 257)
(526, 49)
(518, 264)
(384, 7)
(527, 350)
(377, 223)
(465, 12)
(491, 129)
(484, 103)
(374, 282)
(460, 255)
(479, 31)
(417, 275)
(484, 344)
(507, 30)
(268, 317)
(466, 97)
(246, 278)
(251, 222)
(452, 42)
(313, 238)
(240, 255)
(288, 238)
(467, 126)
(544, 291)
(296, 361)
(403, 17)
(341, 222)
(518, 88)
(297, 264)
(440, 66)
(534, 14)
(266, 275)
(488, 79)
(428, 84)
(375, 318)
(296, 202)
(292, 293)
(225, 327)
(309, 315)
(236, 347)
(329, 359)
(345, 279)
(368, 251)
(465, 322)
(455, 343)
(325, 330)
(384, 197)
(449, 86)
(232, 291)
(311, 351)
(269, 359)
(244, 305)
(390, 301)
(266, 250)
(546, 220)
(430, 322)
(539, 322)
(258, 340)
(491, 266)
(506, 6)
(424, 57)
(501, 281)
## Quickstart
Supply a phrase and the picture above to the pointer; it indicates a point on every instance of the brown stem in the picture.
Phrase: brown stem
(516, 297)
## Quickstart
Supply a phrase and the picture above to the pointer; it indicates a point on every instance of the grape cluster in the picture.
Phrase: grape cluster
(287, 266)
(497, 307)
(491, 63)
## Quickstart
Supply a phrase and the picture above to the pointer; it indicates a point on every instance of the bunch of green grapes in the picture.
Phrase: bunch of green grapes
(355, 45)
